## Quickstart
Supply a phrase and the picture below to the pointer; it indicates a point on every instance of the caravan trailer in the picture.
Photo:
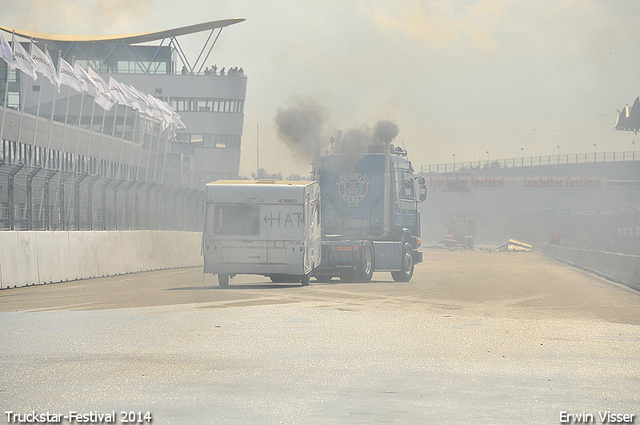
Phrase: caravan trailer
(263, 227)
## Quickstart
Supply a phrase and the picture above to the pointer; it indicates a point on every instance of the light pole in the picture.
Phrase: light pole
(634, 150)
(487, 158)
(558, 147)
(454, 162)
(595, 152)
(522, 149)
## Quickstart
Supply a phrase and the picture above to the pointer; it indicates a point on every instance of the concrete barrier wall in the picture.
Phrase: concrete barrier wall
(29, 258)
(617, 267)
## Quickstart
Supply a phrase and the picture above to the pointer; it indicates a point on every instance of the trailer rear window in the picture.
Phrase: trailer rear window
(237, 219)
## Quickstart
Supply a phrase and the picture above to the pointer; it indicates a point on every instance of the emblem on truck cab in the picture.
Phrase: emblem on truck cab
(353, 187)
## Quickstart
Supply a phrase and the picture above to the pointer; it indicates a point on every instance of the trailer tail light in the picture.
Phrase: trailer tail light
(344, 248)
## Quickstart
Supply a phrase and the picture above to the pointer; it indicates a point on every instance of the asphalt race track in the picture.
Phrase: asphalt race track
(475, 338)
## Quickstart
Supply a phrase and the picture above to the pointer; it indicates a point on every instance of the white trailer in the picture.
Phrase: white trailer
(264, 227)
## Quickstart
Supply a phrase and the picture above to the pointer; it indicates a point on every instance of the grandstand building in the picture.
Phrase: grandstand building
(66, 131)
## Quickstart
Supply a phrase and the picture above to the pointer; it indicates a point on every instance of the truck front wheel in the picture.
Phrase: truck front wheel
(406, 266)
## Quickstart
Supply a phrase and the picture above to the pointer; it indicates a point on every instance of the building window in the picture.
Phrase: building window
(207, 105)
(141, 67)
(13, 100)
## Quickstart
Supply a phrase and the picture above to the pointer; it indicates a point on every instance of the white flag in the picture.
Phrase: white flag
(170, 117)
(6, 53)
(25, 63)
(139, 102)
(118, 94)
(68, 77)
(178, 122)
(88, 85)
(44, 64)
(155, 110)
(103, 98)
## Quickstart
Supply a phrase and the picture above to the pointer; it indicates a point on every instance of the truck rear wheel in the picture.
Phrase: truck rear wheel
(406, 266)
(223, 280)
(364, 272)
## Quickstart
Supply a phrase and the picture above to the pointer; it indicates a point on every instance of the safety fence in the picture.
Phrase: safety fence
(620, 268)
(37, 198)
(532, 161)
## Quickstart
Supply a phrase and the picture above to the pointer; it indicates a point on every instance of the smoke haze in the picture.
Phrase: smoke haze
(301, 127)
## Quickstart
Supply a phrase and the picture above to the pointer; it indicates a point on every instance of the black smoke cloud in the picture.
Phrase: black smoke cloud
(303, 128)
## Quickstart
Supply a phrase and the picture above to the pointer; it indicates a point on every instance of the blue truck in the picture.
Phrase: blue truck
(369, 214)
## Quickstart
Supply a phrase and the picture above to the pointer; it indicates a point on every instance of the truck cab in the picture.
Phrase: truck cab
(370, 216)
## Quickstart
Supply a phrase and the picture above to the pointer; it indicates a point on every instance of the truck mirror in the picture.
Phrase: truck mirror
(421, 180)
(423, 192)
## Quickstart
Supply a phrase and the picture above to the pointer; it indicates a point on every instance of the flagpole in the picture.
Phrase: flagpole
(35, 128)
(6, 90)
(155, 167)
(146, 174)
(104, 116)
(140, 148)
(53, 107)
(93, 108)
(23, 99)
(79, 123)
(66, 116)
(131, 150)
(146, 171)
(164, 159)
(110, 146)
(121, 147)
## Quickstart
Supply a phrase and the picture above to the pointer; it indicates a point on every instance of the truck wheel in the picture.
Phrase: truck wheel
(348, 276)
(406, 267)
(323, 278)
(283, 278)
(223, 280)
(305, 279)
(365, 269)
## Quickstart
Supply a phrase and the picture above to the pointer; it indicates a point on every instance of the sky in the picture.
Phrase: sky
(463, 80)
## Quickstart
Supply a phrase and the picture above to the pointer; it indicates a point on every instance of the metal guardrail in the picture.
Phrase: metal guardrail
(36, 198)
(532, 161)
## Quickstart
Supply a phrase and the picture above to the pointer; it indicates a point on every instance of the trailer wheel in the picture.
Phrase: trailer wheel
(223, 280)
(365, 268)
(406, 266)
(305, 279)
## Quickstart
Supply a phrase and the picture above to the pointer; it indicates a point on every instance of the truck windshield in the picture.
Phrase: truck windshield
(237, 219)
